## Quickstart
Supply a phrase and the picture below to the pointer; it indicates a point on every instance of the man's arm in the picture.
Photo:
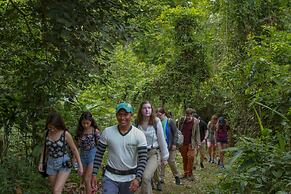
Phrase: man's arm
(206, 131)
(98, 157)
(142, 161)
(198, 139)
(195, 138)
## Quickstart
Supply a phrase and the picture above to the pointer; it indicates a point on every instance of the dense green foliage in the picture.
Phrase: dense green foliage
(258, 167)
(19, 175)
(226, 57)
(48, 51)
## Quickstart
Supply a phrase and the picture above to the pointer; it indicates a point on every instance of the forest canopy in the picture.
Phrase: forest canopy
(231, 58)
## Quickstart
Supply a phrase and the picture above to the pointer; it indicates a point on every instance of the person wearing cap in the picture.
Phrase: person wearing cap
(221, 138)
(127, 154)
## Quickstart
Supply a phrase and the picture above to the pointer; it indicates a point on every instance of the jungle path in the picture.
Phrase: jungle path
(205, 180)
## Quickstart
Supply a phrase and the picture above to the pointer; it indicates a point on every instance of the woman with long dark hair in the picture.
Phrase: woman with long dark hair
(58, 161)
(87, 137)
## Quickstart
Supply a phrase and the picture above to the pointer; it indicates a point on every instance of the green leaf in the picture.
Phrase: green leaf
(282, 142)
(264, 131)
(277, 173)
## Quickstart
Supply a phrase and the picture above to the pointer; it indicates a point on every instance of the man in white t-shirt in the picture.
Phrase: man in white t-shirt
(127, 154)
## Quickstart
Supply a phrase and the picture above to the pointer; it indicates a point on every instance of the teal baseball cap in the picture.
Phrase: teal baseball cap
(126, 106)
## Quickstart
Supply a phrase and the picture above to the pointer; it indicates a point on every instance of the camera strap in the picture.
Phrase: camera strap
(44, 149)
(64, 144)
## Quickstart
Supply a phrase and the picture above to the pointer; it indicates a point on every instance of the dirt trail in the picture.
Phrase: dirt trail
(205, 179)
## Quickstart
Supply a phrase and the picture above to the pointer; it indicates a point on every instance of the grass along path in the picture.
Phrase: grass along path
(206, 178)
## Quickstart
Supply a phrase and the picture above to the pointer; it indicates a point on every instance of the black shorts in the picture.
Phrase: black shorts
(222, 141)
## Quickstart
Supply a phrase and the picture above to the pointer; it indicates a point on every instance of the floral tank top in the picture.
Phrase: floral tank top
(88, 141)
(56, 148)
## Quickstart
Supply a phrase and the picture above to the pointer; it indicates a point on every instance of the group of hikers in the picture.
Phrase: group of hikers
(138, 150)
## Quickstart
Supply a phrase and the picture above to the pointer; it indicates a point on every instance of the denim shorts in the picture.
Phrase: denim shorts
(87, 156)
(56, 165)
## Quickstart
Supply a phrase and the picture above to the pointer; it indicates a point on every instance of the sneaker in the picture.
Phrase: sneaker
(221, 166)
(201, 165)
(159, 186)
(177, 180)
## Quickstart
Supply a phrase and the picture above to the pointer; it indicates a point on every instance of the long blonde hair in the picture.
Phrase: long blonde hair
(213, 121)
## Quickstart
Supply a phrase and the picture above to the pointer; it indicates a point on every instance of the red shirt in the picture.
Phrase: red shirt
(187, 131)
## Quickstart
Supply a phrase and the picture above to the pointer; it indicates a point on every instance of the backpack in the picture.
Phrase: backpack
(180, 137)
(180, 140)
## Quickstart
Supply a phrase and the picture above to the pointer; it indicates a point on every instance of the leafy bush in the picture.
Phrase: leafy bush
(258, 167)
(18, 175)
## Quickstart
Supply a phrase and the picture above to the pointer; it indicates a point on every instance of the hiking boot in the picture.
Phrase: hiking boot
(201, 165)
(177, 180)
(159, 186)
